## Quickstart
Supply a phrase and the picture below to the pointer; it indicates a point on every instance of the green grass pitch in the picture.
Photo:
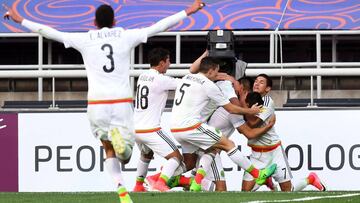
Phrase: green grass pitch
(182, 197)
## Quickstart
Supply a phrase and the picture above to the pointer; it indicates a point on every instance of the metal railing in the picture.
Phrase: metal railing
(273, 68)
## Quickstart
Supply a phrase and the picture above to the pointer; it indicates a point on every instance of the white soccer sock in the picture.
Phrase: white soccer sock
(170, 167)
(238, 158)
(113, 167)
(142, 167)
(207, 185)
(180, 169)
(299, 184)
(206, 161)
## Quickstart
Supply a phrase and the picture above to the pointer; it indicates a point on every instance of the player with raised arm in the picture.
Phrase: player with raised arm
(151, 95)
(267, 148)
(191, 96)
(106, 55)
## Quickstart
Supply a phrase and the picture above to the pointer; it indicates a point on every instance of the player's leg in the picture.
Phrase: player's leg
(238, 158)
(311, 179)
(142, 167)
(216, 175)
(100, 125)
(282, 174)
(162, 144)
(122, 133)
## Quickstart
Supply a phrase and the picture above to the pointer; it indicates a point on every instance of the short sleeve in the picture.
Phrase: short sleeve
(227, 89)
(268, 108)
(236, 120)
(168, 83)
(215, 94)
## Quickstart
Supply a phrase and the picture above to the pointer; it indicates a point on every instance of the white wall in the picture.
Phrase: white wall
(326, 138)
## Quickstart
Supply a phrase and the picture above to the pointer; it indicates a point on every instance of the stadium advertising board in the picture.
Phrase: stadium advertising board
(8, 152)
(57, 151)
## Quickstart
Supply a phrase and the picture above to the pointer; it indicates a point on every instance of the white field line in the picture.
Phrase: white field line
(307, 198)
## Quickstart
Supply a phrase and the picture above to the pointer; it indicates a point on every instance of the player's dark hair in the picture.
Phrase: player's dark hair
(247, 83)
(156, 55)
(104, 16)
(269, 82)
(253, 98)
(208, 63)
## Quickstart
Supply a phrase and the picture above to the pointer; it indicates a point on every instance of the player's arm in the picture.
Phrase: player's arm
(227, 88)
(252, 133)
(170, 21)
(231, 108)
(44, 30)
(195, 66)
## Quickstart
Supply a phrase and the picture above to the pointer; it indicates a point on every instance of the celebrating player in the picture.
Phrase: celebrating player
(106, 55)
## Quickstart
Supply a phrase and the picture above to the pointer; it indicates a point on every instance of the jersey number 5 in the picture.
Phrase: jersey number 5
(110, 56)
(178, 101)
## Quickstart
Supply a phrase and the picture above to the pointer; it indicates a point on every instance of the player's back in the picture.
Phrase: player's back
(191, 96)
(151, 95)
(106, 55)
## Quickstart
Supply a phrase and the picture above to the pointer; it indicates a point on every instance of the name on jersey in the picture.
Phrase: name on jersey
(146, 78)
(195, 79)
(105, 34)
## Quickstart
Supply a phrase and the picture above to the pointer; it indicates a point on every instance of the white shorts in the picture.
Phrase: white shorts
(201, 136)
(105, 117)
(264, 159)
(159, 142)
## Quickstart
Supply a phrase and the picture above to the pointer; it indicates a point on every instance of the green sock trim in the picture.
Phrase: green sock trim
(140, 179)
(121, 189)
(250, 168)
(201, 172)
(164, 177)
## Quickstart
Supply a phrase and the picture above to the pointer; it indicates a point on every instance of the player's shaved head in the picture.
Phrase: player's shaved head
(208, 63)
(104, 16)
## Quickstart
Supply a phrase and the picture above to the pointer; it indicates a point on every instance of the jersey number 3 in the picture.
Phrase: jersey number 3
(108, 48)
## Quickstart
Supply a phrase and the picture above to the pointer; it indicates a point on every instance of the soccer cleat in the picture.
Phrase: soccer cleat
(195, 187)
(315, 181)
(173, 181)
(265, 173)
(139, 188)
(151, 180)
(124, 196)
(117, 141)
(160, 186)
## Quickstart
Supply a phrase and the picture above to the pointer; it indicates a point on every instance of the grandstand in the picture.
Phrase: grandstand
(311, 49)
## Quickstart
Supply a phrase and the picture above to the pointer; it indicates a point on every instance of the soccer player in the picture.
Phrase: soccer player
(192, 94)
(151, 95)
(267, 148)
(106, 55)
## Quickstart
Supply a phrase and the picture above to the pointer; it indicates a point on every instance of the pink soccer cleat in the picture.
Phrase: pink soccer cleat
(315, 181)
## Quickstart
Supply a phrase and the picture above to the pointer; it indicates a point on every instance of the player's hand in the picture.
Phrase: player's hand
(255, 109)
(225, 76)
(11, 14)
(197, 5)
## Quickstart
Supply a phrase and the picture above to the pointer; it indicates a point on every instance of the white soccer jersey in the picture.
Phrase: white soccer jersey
(227, 89)
(106, 55)
(192, 94)
(226, 122)
(270, 137)
(151, 95)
